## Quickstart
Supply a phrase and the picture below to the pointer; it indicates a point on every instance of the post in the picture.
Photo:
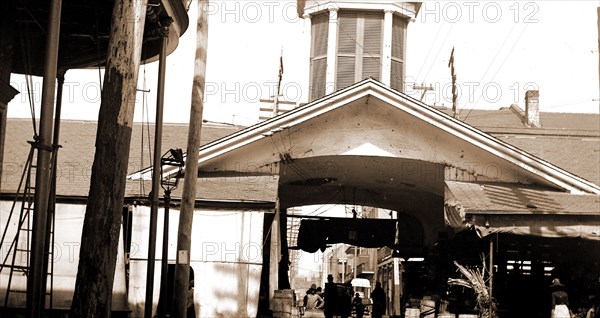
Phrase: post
(165, 255)
(35, 288)
(156, 177)
(491, 282)
(188, 199)
(283, 280)
(104, 211)
(52, 196)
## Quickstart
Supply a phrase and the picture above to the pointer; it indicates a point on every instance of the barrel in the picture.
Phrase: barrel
(427, 308)
(412, 313)
(283, 302)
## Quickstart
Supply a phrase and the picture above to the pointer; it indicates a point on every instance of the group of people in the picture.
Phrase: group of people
(561, 307)
(331, 301)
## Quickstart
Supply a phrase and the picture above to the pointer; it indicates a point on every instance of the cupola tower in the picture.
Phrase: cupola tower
(354, 40)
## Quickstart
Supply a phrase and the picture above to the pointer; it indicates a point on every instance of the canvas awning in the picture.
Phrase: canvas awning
(361, 282)
(521, 209)
(403, 233)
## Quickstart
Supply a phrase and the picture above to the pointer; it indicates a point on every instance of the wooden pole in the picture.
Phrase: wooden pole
(35, 279)
(103, 216)
(188, 199)
(491, 282)
(283, 281)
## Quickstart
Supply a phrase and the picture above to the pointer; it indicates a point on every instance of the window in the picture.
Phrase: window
(359, 47)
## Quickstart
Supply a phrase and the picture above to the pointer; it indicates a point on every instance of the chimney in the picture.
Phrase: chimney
(532, 108)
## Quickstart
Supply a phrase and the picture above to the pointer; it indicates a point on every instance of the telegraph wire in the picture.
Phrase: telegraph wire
(25, 40)
(439, 51)
(429, 51)
(501, 64)
(489, 66)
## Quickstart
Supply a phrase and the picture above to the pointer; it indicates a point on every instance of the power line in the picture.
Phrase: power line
(439, 50)
(501, 64)
(430, 49)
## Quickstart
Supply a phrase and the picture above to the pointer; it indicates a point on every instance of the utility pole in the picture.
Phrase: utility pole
(188, 199)
(423, 88)
(103, 216)
(278, 87)
(451, 66)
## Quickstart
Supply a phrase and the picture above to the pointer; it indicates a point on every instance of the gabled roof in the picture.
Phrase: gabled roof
(543, 171)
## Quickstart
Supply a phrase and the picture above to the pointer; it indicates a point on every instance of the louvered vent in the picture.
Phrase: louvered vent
(318, 59)
(398, 37)
(371, 55)
(358, 47)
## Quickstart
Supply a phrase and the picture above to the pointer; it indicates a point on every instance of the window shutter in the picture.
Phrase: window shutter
(318, 78)
(320, 30)
(397, 71)
(371, 67)
(372, 39)
(318, 60)
(398, 29)
(345, 71)
(397, 80)
(347, 33)
(372, 34)
(346, 50)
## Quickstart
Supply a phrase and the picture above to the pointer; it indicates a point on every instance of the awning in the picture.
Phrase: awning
(361, 282)
(521, 209)
(405, 233)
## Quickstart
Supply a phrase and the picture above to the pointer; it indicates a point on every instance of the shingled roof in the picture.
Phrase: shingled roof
(568, 140)
(76, 155)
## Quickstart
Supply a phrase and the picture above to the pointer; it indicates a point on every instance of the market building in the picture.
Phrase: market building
(515, 185)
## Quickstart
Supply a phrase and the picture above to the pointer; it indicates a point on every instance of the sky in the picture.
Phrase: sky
(501, 49)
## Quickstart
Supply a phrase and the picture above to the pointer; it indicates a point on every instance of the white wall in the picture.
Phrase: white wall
(226, 257)
(67, 238)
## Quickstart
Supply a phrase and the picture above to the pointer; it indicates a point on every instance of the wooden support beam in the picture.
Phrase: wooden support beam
(103, 215)
(188, 200)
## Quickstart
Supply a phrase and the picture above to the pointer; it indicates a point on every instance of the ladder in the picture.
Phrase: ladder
(293, 226)
(17, 258)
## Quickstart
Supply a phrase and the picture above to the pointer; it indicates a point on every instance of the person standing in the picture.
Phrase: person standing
(560, 300)
(378, 297)
(358, 305)
(331, 297)
(314, 304)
